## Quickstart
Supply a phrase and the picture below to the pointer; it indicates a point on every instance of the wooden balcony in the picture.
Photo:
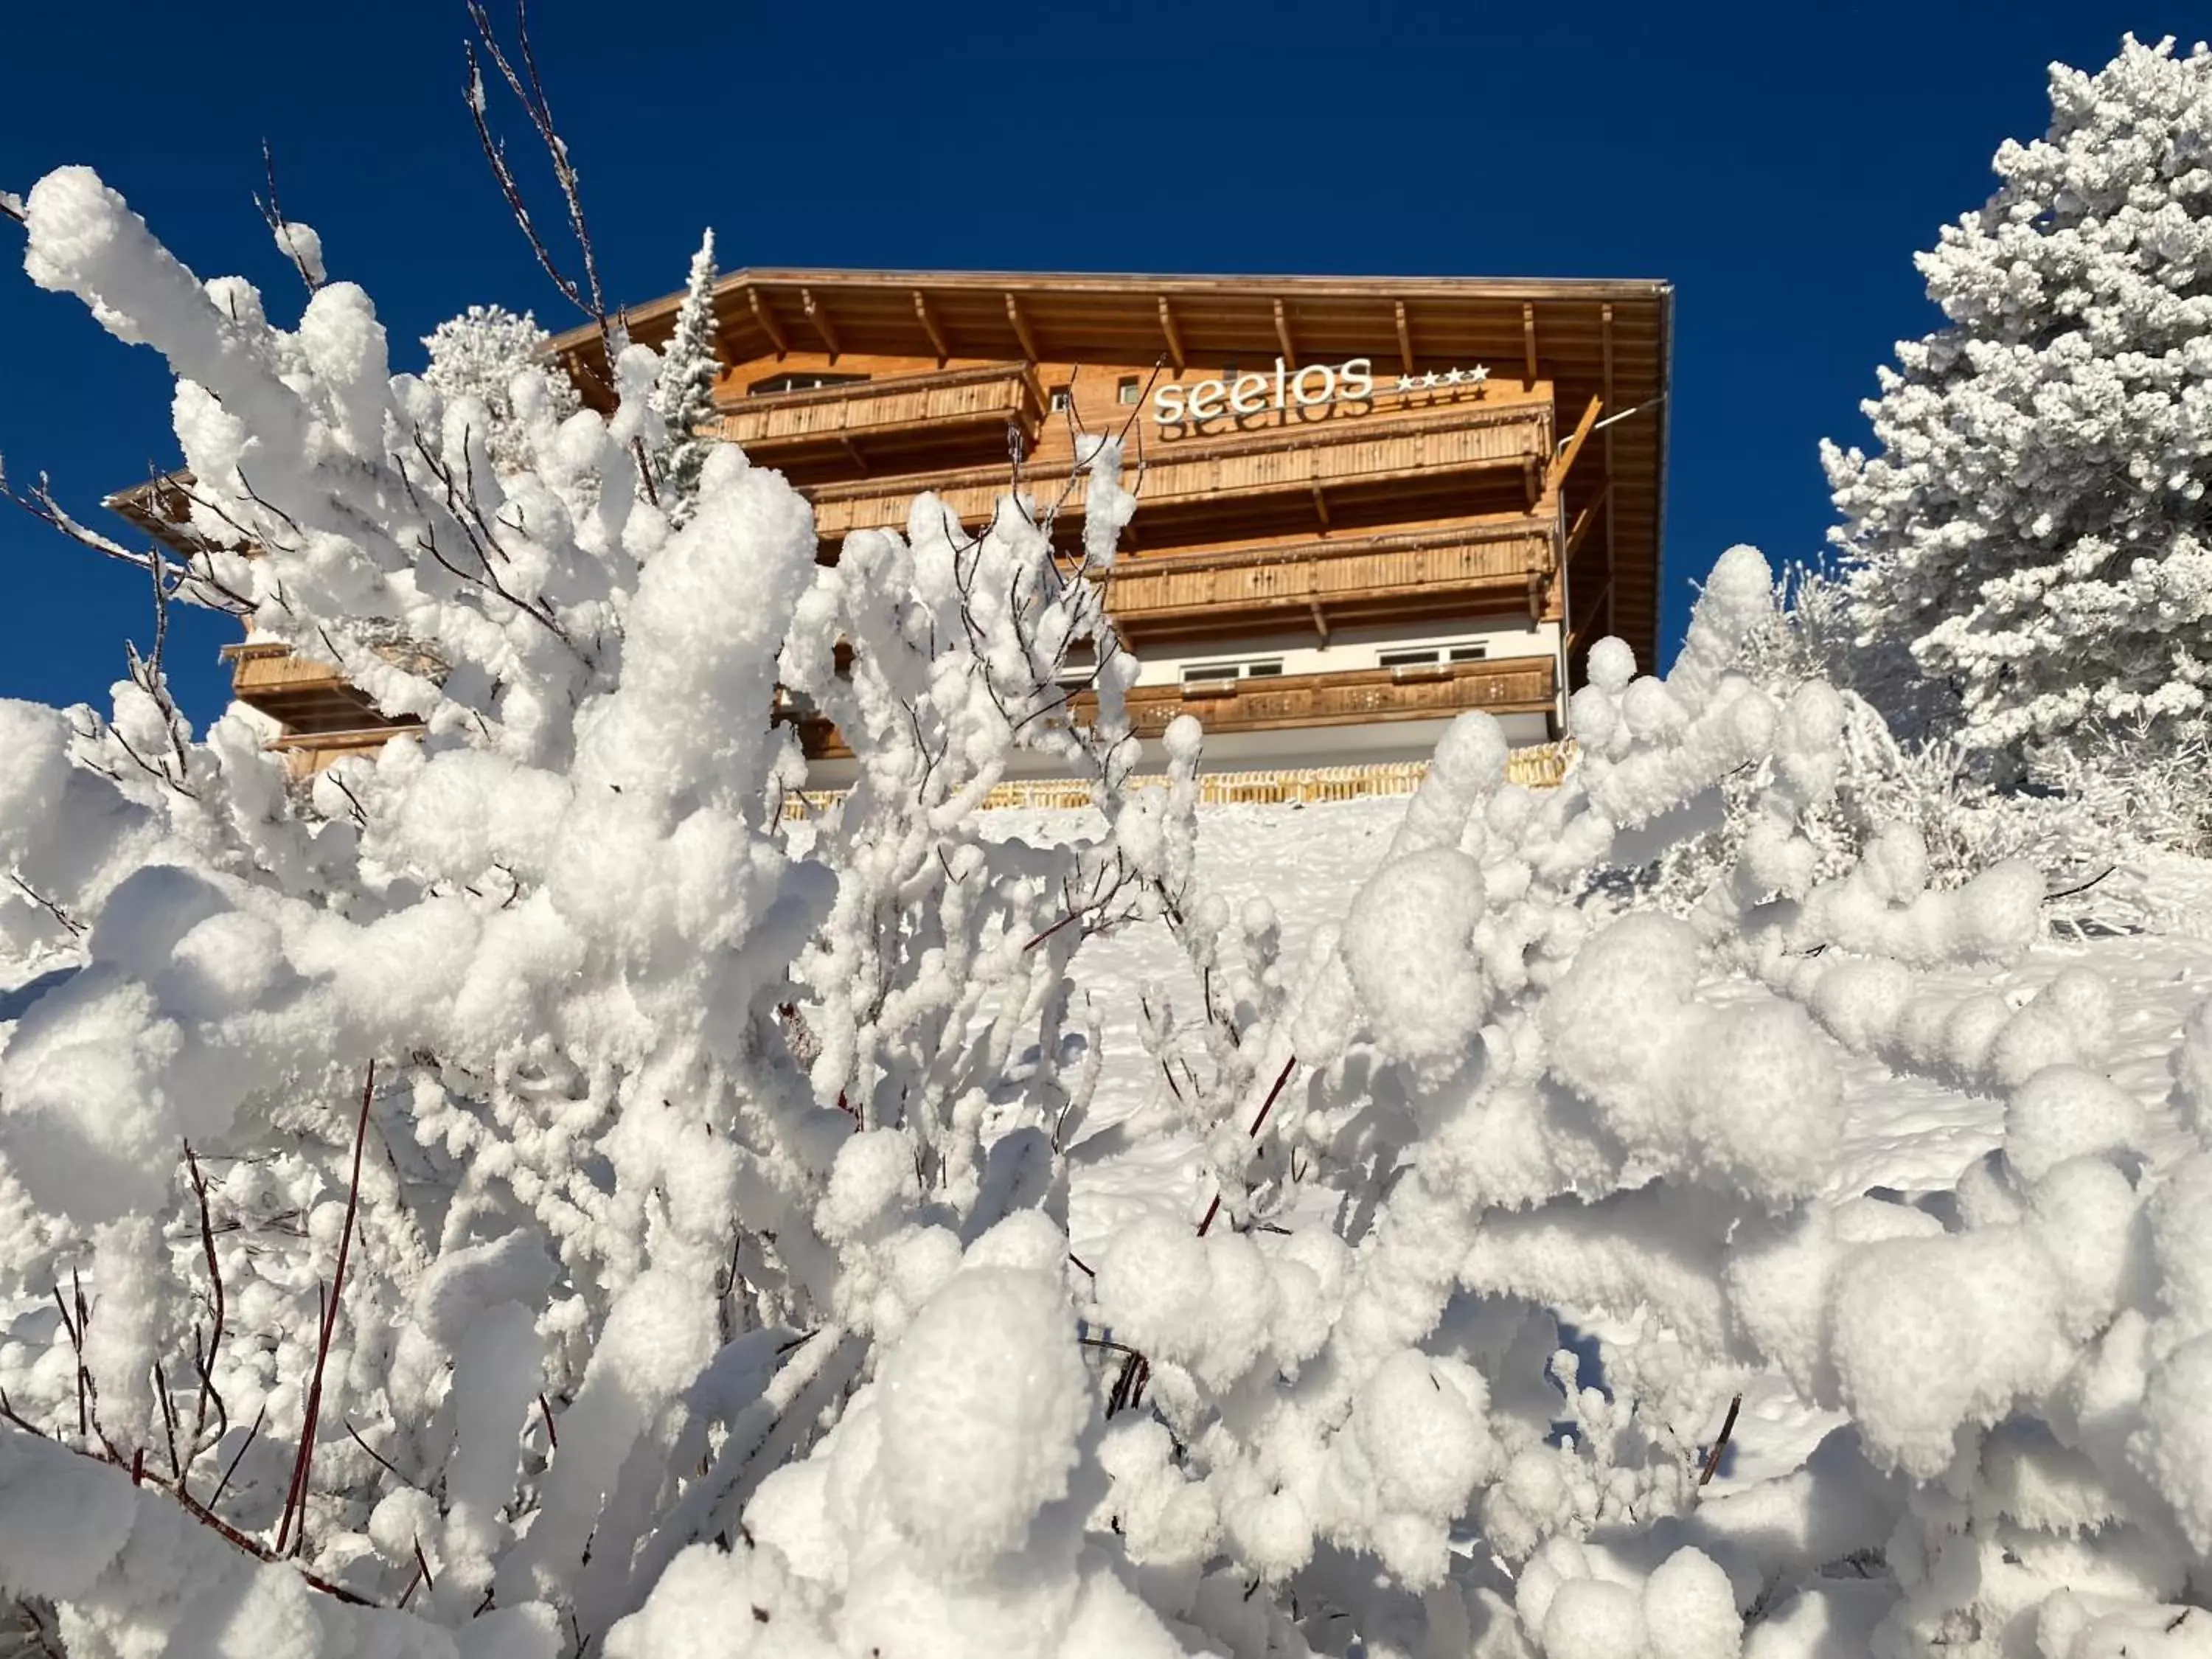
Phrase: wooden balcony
(1329, 475)
(908, 423)
(304, 696)
(1514, 685)
(1440, 572)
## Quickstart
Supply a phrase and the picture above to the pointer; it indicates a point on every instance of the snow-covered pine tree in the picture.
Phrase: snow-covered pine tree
(684, 392)
(2034, 530)
(478, 355)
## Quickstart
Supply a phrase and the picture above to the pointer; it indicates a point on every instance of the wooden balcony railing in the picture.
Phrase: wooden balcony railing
(1514, 685)
(1443, 570)
(1307, 463)
(937, 419)
(1358, 696)
(311, 700)
(302, 695)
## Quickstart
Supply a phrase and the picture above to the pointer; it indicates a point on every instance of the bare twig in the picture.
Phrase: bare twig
(208, 1392)
(272, 210)
(1259, 1122)
(1719, 1444)
(48, 905)
(295, 1501)
(236, 1457)
(528, 87)
(2069, 892)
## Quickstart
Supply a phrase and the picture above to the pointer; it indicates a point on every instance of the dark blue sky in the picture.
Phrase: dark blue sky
(1780, 164)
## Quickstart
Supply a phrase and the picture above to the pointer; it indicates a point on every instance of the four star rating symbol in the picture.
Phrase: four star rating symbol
(1450, 377)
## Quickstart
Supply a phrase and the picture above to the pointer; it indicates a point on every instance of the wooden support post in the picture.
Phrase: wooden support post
(1174, 335)
(1321, 508)
(1604, 337)
(1532, 480)
(1583, 519)
(1582, 637)
(1527, 343)
(1283, 334)
(1565, 458)
(1405, 339)
(766, 319)
(1022, 329)
(1320, 621)
(852, 452)
(818, 315)
(929, 327)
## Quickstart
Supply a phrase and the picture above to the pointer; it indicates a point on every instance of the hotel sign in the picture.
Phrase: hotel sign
(1314, 387)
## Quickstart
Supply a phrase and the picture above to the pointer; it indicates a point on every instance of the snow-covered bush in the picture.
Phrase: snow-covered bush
(2032, 530)
(2088, 815)
(524, 1193)
(400, 1127)
(478, 356)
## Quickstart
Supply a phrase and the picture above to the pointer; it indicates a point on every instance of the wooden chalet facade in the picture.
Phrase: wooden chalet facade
(1366, 504)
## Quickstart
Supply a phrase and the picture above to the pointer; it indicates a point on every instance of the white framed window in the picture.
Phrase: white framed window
(1127, 390)
(1431, 656)
(1061, 398)
(1221, 675)
(804, 379)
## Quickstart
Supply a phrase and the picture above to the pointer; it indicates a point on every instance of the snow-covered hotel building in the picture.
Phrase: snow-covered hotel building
(1366, 504)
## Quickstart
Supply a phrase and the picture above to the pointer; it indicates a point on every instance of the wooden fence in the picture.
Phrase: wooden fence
(1539, 765)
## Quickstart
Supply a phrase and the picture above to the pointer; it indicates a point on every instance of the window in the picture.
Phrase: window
(1211, 676)
(804, 379)
(1126, 389)
(1061, 398)
(1430, 656)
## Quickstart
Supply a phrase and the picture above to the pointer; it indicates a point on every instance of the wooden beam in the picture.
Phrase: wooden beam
(1022, 329)
(818, 315)
(1583, 519)
(852, 453)
(1579, 638)
(1320, 506)
(1176, 353)
(929, 327)
(1320, 620)
(1283, 334)
(766, 319)
(1532, 480)
(1528, 345)
(1605, 336)
(1405, 337)
(1573, 447)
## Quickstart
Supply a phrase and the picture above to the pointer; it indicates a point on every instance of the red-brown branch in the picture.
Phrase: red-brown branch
(1259, 1122)
(1720, 1444)
(295, 1499)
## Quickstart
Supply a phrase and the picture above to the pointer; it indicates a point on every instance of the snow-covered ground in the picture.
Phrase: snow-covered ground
(1908, 1134)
